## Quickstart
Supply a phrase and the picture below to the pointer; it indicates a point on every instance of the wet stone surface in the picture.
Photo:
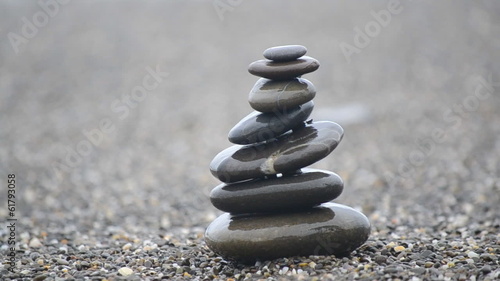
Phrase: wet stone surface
(289, 152)
(283, 70)
(258, 127)
(274, 208)
(306, 189)
(329, 229)
(270, 95)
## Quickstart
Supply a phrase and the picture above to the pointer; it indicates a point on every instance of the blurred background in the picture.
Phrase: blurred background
(415, 84)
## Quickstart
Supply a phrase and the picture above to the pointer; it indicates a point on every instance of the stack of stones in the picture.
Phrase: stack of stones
(274, 206)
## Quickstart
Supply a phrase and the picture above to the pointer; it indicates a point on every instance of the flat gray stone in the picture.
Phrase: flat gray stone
(258, 127)
(285, 53)
(283, 70)
(271, 95)
(328, 229)
(307, 189)
(290, 152)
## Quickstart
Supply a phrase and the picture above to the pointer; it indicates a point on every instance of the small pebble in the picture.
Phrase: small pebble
(35, 243)
(399, 248)
(418, 270)
(426, 253)
(283, 271)
(472, 254)
(488, 257)
(486, 269)
(40, 277)
(125, 271)
(62, 262)
(391, 269)
(380, 259)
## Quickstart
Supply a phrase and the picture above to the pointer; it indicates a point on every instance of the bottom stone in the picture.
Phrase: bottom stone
(327, 229)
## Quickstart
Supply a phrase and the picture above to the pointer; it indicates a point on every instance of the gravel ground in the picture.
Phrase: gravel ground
(419, 104)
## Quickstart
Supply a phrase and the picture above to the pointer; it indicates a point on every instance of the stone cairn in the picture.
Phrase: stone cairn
(274, 206)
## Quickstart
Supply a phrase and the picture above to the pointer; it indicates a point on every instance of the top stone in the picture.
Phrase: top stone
(285, 53)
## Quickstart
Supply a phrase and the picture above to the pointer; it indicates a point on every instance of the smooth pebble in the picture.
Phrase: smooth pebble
(271, 96)
(309, 188)
(285, 53)
(289, 152)
(283, 70)
(258, 127)
(323, 230)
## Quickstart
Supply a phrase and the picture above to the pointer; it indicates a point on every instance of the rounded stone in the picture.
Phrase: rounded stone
(289, 152)
(271, 95)
(258, 127)
(283, 70)
(307, 189)
(285, 53)
(328, 229)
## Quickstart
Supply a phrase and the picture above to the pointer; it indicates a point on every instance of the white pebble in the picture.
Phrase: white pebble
(150, 247)
(472, 254)
(35, 243)
(25, 236)
(125, 271)
(127, 247)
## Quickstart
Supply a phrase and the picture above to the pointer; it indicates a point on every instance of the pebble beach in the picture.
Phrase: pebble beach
(111, 113)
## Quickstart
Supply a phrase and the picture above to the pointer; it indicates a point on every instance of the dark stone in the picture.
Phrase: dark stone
(311, 187)
(486, 269)
(285, 53)
(488, 257)
(270, 95)
(328, 229)
(40, 277)
(283, 70)
(380, 259)
(291, 151)
(426, 253)
(258, 127)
